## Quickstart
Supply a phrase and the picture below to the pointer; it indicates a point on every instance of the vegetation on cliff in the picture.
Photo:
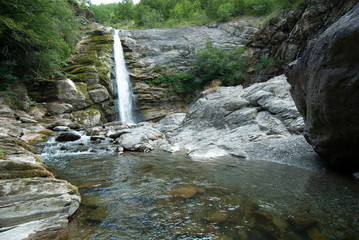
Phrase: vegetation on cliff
(172, 13)
(212, 66)
(36, 37)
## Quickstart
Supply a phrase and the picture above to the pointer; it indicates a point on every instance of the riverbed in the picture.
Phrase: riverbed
(160, 195)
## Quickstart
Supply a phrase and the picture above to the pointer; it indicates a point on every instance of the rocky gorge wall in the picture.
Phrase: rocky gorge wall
(325, 87)
(86, 95)
(153, 52)
(287, 36)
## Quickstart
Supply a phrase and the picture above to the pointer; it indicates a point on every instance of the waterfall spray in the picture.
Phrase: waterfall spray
(124, 91)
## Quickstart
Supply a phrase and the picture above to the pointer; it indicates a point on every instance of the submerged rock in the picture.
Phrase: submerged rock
(325, 87)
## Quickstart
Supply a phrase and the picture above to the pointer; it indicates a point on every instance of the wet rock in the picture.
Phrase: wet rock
(325, 87)
(68, 137)
(210, 151)
(186, 192)
(303, 221)
(97, 137)
(141, 138)
(61, 128)
(118, 133)
(315, 234)
(356, 176)
(219, 216)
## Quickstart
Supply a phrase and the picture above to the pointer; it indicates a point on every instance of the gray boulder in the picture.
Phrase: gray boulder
(256, 123)
(99, 93)
(325, 87)
(36, 207)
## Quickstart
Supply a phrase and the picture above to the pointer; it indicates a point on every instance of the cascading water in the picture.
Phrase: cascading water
(124, 91)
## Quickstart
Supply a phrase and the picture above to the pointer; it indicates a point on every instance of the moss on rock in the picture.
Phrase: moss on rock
(10, 170)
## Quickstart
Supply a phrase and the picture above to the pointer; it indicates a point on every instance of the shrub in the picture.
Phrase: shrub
(179, 83)
(225, 11)
(211, 63)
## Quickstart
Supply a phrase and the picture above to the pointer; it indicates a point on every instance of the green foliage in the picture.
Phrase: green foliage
(12, 99)
(267, 62)
(7, 74)
(157, 69)
(175, 13)
(36, 35)
(225, 11)
(1, 152)
(179, 83)
(212, 63)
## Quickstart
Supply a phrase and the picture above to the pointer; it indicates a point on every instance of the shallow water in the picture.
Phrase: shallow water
(168, 196)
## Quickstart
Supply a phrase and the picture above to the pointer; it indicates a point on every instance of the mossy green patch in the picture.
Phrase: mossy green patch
(10, 170)
(84, 77)
(83, 69)
(46, 132)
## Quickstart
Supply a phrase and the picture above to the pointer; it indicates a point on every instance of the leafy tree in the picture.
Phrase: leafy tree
(125, 10)
(225, 11)
(105, 13)
(36, 36)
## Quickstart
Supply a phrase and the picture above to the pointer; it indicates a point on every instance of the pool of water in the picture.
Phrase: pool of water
(159, 195)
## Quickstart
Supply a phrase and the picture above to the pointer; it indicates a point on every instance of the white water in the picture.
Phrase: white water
(124, 91)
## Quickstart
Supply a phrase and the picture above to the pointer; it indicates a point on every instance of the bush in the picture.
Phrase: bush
(225, 11)
(179, 83)
(212, 63)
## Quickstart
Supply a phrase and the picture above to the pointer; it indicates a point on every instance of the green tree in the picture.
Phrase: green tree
(36, 36)
(125, 10)
(225, 11)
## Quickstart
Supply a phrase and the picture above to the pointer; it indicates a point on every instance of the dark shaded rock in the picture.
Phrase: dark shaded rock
(302, 221)
(95, 138)
(325, 87)
(68, 137)
(288, 35)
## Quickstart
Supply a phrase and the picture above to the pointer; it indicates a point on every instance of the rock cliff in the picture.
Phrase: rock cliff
(86, 95)
(288, 35)
(325, 85)
(156, 51)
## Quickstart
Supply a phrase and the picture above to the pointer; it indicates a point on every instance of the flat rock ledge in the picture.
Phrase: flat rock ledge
(32, 208)
(33, 204)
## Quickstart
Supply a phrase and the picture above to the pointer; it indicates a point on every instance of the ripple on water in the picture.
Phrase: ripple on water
(168, 196)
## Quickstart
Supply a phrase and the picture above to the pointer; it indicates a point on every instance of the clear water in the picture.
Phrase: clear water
(168, 196)
(124, 91)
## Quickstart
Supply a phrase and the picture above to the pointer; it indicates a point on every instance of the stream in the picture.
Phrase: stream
(159, 195)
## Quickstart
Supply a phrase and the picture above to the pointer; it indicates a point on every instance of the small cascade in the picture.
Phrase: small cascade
(124, 90)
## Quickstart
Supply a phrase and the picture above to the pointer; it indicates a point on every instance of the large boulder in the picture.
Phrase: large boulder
(325, 87)
(259, 122)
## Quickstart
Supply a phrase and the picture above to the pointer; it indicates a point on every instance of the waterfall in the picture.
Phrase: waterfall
(124, 90)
